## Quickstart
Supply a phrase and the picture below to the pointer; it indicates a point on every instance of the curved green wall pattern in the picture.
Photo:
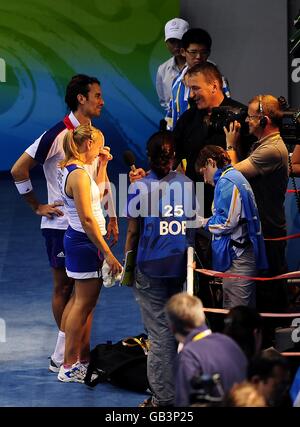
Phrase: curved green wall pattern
(44, 43)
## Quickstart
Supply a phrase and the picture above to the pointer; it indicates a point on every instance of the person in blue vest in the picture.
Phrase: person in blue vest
(159, 209)
(237, 243)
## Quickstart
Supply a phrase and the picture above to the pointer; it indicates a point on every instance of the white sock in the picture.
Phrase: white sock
(59, 352)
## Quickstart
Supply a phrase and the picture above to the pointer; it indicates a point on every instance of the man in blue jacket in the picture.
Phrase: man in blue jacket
(237, 244)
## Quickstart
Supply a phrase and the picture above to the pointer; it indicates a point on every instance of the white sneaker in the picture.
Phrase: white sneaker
(76, 373)
(54, 365)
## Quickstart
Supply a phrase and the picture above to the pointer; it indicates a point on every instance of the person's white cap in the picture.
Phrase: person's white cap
(175, 28)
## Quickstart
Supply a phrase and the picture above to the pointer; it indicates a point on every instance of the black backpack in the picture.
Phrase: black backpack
(123, 364)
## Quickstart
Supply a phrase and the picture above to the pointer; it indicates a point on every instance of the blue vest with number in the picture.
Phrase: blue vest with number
(166, 206)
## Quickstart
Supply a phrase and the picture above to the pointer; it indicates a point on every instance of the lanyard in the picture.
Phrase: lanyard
(201, 335)
(227, 170)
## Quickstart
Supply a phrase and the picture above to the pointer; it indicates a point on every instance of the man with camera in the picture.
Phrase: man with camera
(196, 47)
(266, 168)
(193, 131)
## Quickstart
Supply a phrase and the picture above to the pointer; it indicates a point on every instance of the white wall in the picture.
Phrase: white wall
(250, 42)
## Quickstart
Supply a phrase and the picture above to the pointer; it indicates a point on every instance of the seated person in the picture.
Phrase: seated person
(203, 352)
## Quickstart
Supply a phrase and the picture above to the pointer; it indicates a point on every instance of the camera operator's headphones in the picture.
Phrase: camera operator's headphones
(263, 121)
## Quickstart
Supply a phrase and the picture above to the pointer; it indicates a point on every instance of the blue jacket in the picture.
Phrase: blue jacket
(235, 219)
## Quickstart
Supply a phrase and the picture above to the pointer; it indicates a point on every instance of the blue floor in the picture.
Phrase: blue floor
(25, 307)
(25, 310)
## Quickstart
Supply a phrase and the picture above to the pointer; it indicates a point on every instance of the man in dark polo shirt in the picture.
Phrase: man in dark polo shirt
(266, 168)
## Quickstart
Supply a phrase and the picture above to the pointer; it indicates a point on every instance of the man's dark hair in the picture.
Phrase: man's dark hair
(79, 84)
(240, 324)
(214, 152)
(198, 36)
(160, 150)
(210, 72)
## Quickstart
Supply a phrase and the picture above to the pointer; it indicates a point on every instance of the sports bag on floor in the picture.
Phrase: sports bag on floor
(123, 364)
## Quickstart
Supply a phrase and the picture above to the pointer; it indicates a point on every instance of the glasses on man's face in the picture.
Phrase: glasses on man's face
(201, 53)
(252, 116)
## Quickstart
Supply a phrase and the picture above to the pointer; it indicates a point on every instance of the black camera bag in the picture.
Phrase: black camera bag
(123, 364)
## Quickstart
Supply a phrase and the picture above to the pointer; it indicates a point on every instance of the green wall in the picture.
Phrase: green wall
(43, 43)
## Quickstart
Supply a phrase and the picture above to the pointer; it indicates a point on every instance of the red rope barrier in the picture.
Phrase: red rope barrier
(225, 311)
(292, 191)
(292, 274)
(291, 236)
(285, 353)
